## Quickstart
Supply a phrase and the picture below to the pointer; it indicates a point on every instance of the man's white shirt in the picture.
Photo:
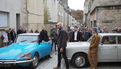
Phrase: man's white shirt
(75, 35)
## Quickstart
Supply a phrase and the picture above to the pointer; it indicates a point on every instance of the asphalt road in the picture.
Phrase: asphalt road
(49, 63)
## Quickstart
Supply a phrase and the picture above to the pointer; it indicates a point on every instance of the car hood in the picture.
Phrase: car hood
(12, 51)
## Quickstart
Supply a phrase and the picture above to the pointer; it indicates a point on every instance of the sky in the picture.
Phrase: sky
(76, 4)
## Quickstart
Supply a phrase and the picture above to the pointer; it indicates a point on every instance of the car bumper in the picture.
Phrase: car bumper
(14, 61)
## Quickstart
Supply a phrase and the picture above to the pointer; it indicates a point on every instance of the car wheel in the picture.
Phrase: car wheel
(35, 62)
(79, 60)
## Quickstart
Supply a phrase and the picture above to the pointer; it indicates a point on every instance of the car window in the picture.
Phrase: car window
(119, 39)
(109, 40)
(27, 38)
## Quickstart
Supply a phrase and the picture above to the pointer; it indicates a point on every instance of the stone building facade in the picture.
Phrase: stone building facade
(57, 11)
(103, 13)
(10, 15)
(32, 14)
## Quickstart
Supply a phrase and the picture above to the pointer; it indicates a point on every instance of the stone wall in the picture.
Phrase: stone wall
(34, 19)
(109, 17)
(49, 27)
(96, 3)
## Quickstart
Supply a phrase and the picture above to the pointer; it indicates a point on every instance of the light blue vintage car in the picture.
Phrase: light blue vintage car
(25, 51)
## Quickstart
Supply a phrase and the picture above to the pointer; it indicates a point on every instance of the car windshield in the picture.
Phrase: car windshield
(27, 38)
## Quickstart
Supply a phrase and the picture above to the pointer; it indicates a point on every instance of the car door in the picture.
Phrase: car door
(108, 49)
(119, 47)
(45, 48)
(48, 48)
(42, 49)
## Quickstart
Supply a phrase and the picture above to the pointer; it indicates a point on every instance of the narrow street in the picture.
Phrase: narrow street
(52, 62)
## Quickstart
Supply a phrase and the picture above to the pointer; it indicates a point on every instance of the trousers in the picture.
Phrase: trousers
(60, 55)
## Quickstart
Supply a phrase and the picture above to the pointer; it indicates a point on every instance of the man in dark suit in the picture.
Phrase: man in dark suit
(76, 36)
(87, 34)
(54, 38)
(43, 35)
(62, 43)
(13, 35)
(20, 30)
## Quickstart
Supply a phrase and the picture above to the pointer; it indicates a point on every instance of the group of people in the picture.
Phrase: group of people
(116, 30)
(76, 36)
(9, 35)
(60, 39)
(36, 31)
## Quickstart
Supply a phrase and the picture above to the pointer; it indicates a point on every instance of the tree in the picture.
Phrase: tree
(78, 14)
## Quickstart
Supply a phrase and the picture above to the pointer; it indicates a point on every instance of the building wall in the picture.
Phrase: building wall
(96, 3)
(12, 8)
(52, 7)
(109, 18)
(33, 14)
(60, 13)
(105, 13)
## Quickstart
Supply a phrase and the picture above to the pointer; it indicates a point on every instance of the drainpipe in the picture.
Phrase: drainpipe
(96, 16)
(27, 14)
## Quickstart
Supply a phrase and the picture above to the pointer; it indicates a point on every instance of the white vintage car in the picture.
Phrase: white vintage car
(109, 50)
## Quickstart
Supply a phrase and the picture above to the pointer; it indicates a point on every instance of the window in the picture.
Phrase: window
(3, 19)
(119, 39)
(27, 38)
(109, 40)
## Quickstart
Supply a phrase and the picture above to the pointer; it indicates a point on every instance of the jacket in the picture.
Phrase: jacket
(43, 36)
(62, 39)
(79, 36)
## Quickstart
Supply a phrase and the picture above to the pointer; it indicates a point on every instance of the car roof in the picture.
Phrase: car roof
(36, 34)
(110, 34)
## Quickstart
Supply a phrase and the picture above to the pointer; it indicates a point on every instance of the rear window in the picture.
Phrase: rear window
(109, 40)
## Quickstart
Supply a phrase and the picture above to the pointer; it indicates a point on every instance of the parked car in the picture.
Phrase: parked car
(25, 51)
(109, 50)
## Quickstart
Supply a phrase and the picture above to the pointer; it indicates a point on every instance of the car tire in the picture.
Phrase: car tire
(35, 62)
(79, 60)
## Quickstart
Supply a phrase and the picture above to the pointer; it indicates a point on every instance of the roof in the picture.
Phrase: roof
(29, 34)
(109, 34)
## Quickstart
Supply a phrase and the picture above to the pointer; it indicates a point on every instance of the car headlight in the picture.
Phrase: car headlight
(25, 55)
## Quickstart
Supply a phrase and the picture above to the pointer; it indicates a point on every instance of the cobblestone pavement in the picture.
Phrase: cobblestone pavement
(52, 62)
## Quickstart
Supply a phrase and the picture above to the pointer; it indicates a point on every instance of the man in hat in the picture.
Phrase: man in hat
(93, 50)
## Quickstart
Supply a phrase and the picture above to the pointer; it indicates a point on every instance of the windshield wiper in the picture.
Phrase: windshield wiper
(23, 40)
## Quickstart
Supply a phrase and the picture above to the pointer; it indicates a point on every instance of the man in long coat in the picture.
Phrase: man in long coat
(62, 43)
(93, 50)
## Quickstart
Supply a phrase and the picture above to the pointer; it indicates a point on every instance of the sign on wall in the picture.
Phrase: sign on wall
(3, 19)
(107, 21)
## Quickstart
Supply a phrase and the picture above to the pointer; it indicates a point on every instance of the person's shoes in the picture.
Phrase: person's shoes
(56, 68)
